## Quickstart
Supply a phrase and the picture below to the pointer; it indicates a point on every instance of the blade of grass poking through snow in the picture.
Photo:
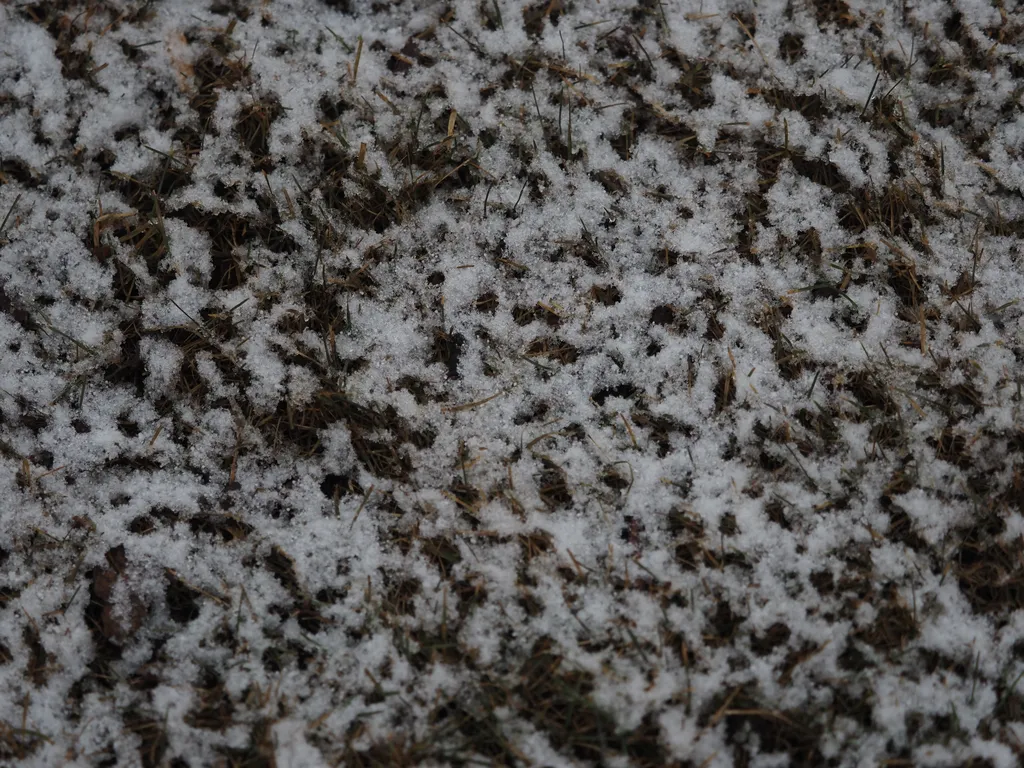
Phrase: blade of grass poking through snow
(359, 56)
(474, 404)
(362, 503)
(10, 212)
(348, 48)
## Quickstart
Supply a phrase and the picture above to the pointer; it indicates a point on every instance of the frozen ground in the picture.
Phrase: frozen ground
(575, 383)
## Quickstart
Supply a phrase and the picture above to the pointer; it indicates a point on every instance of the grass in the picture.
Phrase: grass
(440, 477)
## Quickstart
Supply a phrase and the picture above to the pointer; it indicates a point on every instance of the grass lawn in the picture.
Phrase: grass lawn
(490, 382)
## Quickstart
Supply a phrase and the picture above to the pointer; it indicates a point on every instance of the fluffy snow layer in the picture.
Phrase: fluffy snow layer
(568, 383)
